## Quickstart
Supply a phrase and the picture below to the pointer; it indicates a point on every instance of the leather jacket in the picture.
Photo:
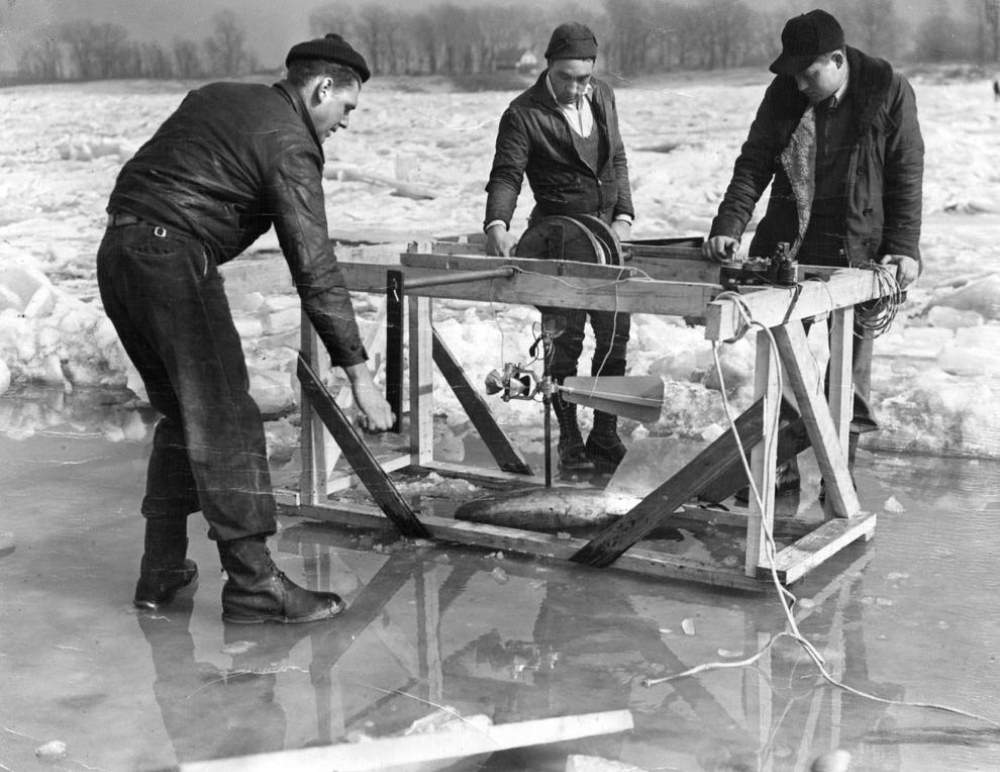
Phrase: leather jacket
(230, 162)
(534, 138)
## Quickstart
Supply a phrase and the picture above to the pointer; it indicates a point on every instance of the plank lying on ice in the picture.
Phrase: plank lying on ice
(391, 753)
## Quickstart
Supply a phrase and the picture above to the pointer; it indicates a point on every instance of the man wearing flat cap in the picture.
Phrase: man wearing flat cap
(563, 134)
(837, 138)
(233, 160)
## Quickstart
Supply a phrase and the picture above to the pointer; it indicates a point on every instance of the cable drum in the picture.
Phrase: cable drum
(582, 239)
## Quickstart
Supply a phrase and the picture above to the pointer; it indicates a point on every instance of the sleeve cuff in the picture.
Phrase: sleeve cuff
(491, 223)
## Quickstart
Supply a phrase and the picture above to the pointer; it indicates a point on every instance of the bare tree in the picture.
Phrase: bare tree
(41, 60)
(226, 48)
(186, 59)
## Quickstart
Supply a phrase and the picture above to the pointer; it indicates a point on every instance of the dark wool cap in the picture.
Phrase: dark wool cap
(332, 48)
(572, 41)
(804, 38)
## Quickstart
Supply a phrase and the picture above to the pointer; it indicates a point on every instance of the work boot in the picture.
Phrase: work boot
(164, 569)
(787, 483)
(572, 454)
(604, 447)
(258, 591)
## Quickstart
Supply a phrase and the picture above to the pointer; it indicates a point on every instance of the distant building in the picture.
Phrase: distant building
(521, 59)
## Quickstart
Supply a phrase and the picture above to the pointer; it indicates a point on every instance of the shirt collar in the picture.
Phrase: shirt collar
(838, 95)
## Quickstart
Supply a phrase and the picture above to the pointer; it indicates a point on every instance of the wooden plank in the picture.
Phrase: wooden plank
(421, 397)
(312, 437)
(404, 752)
(693, 517)
(806, 384)
(776, 305)
(508, 458)
(358, 455)
(659, 505)
(841, 396)
(639, 560)
(796, 560)
(792, 440)
(763, 457)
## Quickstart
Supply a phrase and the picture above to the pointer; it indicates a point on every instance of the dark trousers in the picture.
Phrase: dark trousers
(611, 331)
(611, 334)
(164, 295)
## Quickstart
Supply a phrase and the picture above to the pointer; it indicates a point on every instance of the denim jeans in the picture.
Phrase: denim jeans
(164, 295)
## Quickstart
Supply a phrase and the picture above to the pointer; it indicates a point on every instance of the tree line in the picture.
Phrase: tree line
(636, 37)
(88, 50)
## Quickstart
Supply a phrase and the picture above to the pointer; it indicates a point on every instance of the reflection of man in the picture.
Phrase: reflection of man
(837, 138)
(563, 134)
(233, 160)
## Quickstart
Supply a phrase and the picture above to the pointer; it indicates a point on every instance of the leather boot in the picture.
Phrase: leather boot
(604, 447)
(256, 590)
(572, 454)
(164, 569)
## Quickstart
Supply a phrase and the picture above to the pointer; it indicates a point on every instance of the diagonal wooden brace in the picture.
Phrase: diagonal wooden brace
(358, 455)
(497, 442)
(830, 454)
(605, 548)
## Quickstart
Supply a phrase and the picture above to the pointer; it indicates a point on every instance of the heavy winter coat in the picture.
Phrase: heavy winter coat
(885, 177)
(230, 162)
(535, 138)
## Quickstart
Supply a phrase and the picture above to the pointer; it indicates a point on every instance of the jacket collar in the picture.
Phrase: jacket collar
(293, 97)
(870, 79)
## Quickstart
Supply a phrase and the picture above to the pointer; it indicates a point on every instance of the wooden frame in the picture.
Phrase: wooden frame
(670, 280)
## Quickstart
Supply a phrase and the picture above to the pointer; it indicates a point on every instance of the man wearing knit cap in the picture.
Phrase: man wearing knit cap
(837, 138)
(232, 161)
(563, 134)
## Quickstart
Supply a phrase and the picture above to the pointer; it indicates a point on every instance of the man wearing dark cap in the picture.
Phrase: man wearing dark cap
(563, 134)
(837, 138)
(233, 160)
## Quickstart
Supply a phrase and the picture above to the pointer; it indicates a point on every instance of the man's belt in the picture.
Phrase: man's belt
(121, 219)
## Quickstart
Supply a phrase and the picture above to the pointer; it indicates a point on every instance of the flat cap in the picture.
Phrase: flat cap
(572, 40)
(332, 48)
(806, 37)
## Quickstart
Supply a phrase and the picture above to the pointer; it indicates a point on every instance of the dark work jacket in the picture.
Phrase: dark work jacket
(885, 172)
(535, 139)
(230, 162)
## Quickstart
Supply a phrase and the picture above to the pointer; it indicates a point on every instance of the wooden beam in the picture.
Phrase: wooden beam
(763, 456)
(796, 560)
(408, 751)
(358, 455)
(777, 305)
(508, 458)
(639, 560)
(658, 506)
(806, 384)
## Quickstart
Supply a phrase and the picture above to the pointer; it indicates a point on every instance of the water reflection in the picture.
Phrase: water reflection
(429, 628)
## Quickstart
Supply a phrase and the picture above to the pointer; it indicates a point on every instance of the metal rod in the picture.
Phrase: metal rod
(461, 277)
(394, 345)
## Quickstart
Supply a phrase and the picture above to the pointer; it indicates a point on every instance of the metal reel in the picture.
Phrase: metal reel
(581, 238)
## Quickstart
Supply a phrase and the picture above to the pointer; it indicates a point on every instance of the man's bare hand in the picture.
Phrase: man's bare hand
(376, 415)
(499, 242)
(907, 268)
(721, 249)
(622, 229)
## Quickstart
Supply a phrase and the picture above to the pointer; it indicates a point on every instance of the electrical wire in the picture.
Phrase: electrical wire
(785, 596)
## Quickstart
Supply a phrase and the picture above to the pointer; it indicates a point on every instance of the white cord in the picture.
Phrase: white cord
(785, 595)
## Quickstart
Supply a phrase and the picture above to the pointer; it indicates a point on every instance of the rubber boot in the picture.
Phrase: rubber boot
(572, 454)
(604, 447)
(164, 569)
(257, 591)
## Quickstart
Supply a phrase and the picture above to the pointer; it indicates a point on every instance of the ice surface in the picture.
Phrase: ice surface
(936, 379)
